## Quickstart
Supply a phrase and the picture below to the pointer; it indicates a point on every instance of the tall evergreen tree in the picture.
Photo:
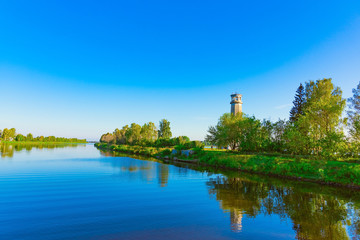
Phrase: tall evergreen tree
(298, 108)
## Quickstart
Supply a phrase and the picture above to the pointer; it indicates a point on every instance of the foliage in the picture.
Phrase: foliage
(133, 134)
(148, 132)
(11, 135)
(299, 102)
(325, 171)
(354, 119)
(107, 138)
(315, 126)
(119, 135)
(147, 136)
(225, 133)
(164, 129)
(323, 110)
(8, 134)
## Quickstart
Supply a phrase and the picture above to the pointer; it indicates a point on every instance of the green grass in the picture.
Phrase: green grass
(346, 173)
(145, 151)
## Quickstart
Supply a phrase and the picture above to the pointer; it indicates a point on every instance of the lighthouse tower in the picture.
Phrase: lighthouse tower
(236, 103)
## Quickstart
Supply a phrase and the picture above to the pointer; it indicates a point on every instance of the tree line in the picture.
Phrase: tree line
(149, 136)
(316, 126)
(11, 135)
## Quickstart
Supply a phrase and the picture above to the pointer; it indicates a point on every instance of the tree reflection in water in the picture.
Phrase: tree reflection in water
(7, 149)
(315, 211)
(314, 215)
(147, 169)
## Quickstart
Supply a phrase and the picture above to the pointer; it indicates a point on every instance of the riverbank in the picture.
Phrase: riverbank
(337, 173)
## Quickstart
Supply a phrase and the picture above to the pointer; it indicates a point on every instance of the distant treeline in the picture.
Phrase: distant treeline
(11, 135)
(316, 127)
(149, 136)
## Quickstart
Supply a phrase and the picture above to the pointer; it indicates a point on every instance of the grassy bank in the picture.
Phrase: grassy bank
(322, 171)
(145, 151)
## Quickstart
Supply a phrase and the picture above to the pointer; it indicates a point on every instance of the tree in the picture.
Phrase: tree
(226, 132)
(149, 132)
(252, 134)
(11, 134)
(8, 134)
(295, 140)
(107, 138)
(20, 138)
(322, 112)
(164, 129)
(299, 102)
(29, 137)
(133, 134)
(5, 134)
(120, 135)
(354, 114)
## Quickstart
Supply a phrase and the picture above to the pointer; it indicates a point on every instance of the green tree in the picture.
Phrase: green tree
(133, 134)
(123, 134)
(20, 138)
(5, 134)
(8, 134)
(296, 141)
(299, 102)
(149, 132)
(108, 138)
(252, 136)
(164, 129)
(12, 134)
(277, 135)
(226, 132)
(322, 112)
(354, 114)
(29, 137)
(120, 135)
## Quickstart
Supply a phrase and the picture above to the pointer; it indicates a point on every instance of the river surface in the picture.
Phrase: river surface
(79, 192)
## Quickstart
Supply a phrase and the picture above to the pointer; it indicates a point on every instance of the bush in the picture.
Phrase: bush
(180, 147)
(166, 152)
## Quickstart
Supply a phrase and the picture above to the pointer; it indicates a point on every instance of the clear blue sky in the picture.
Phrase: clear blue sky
(82, 68)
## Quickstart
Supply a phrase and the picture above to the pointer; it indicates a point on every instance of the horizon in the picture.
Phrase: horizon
(81, 70)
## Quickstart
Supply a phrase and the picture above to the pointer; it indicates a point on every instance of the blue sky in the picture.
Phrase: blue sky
(82, 68)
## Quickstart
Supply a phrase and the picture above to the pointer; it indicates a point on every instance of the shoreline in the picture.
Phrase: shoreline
(207, 160)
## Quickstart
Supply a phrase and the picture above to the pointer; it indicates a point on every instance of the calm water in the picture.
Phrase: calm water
(78, 192)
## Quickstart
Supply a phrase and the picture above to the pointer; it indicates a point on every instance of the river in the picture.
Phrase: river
(79, 192)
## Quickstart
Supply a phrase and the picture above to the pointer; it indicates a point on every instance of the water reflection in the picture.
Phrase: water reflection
(311, 210)
(314, 215)
(147, 170)
(7, 150)
(315, 212)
